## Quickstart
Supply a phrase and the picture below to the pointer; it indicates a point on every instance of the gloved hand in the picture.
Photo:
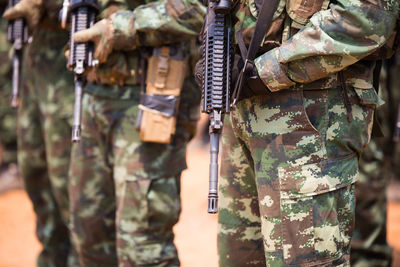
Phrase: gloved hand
(114, 33)
(30, 10)
(251, 84)
(102, 35)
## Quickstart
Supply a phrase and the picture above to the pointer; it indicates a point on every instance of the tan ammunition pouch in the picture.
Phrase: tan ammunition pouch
(120, 68)
(167, 69)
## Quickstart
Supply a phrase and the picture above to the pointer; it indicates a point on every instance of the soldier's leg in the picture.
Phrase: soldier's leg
(8, 115)
(8, 130)
(239, 226)
(304, 149)
(57, 136)
(50, 229)
(147, 177)
(91, 189)
(9, 175)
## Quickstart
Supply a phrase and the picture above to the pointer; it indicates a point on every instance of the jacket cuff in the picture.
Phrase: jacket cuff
(272, 72)
(124, 30)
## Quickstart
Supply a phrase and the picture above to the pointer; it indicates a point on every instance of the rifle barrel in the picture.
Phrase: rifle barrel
(16, 77)
(213, 182)
(76, 126)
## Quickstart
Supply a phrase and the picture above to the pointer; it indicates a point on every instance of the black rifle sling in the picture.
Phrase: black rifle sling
(263, 24)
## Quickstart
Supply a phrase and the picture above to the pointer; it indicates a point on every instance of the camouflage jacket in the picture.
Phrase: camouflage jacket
(156, 23)
(312, 41)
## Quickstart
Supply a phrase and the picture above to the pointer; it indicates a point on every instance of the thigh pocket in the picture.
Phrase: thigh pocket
(316, 220)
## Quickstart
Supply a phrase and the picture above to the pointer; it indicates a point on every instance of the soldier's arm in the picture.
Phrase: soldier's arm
(160, 22)
(331, 41)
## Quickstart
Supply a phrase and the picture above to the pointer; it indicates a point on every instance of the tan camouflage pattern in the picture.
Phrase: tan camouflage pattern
(286, 189)
(125, 194)
(44, 129)
(171, 21)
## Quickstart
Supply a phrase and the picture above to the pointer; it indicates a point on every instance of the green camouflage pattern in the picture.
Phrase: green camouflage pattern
(125, 194)
(172, 21)
(289, 162)
(8, 115)
(290, 157)
(44, 130)
(378, 165)
(323, 47)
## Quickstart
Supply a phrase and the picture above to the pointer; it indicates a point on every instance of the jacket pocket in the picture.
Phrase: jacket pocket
(317, 207)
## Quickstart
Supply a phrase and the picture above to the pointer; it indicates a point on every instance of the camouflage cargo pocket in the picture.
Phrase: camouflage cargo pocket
(317, 207)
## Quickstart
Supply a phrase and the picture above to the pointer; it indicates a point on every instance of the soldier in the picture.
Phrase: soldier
(44, 128)
(378, 165)
(291, 146)
(125, 193)
(8, 127)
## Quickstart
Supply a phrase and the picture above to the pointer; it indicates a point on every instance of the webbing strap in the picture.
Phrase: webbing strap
(263, 24)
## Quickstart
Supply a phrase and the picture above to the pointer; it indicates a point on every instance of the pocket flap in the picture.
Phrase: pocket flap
(317, 178)
(369, 97)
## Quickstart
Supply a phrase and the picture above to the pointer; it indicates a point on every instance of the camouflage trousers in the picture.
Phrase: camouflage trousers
(44, 130)
(8, 115)
(125, 194)
(288, 166)
(8, 126)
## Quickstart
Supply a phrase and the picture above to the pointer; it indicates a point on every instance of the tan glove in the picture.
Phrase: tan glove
(114, 33)
(102, 34)
(30, 10)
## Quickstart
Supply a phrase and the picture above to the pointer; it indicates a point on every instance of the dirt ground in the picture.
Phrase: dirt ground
(195, 233)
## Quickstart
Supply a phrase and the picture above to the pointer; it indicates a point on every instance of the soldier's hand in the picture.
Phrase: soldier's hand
(102, 35)
(30, 10)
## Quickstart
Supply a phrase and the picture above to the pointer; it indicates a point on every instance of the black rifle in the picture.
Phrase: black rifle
(17, 34)
(216, 83)
(82, 15)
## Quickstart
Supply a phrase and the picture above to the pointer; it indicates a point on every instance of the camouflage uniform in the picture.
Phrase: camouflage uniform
(377, 166)
(8, 115)
(44, 130)
(125, 193)
(290, 157)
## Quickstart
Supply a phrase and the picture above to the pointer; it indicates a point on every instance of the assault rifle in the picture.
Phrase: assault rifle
(17, 34)
(215, 83)
(82, 15)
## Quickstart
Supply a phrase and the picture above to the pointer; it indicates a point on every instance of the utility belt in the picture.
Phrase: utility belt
(162, 75)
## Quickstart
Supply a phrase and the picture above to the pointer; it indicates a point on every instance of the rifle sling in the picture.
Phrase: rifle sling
(263, 24)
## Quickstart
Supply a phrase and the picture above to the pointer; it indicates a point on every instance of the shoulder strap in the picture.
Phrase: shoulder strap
(263, 24)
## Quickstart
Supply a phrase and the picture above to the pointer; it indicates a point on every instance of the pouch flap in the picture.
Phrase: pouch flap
(369, 97)
(317, 178)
